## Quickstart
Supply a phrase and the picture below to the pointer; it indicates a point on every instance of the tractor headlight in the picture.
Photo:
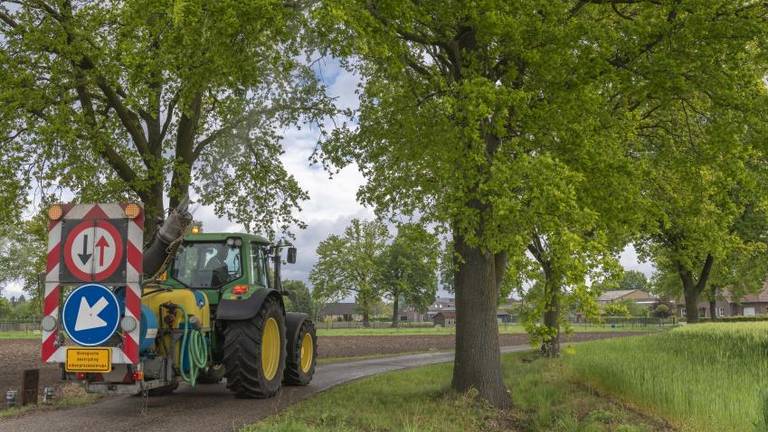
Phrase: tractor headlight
(48, 323)
(128, 324)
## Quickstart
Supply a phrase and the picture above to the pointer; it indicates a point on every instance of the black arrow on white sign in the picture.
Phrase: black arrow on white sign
(84, 257)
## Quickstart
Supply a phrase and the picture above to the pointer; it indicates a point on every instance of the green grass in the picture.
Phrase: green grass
(503, 329)
(20, 334)
(706, 377)
(545, 399)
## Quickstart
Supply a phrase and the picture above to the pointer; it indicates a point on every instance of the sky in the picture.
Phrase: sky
(332, 201)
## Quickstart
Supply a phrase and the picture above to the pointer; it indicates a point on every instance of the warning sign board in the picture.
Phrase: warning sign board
(93, 250)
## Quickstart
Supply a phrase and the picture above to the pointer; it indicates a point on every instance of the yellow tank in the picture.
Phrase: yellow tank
(194, 302)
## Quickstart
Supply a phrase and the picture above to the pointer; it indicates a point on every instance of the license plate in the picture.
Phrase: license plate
(88, 360)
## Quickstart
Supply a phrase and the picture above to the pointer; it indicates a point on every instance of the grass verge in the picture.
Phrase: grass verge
(20, 335)
(68, 396)
(706, 377)
(503, 329)
(545, 399)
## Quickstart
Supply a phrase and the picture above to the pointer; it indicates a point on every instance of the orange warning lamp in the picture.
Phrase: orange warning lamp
(132, 211)
(55, 212)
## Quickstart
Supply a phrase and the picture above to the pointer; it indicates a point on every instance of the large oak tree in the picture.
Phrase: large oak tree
(153, 100)
(463, 102)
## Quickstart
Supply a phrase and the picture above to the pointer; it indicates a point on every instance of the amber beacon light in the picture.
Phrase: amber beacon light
(55, 212)
(132, 211)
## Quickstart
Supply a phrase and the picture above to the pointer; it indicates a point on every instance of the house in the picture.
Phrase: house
(636, 296)
(503, 317)
(410, 314)
(340, 312)
(440, 304)
(727, 305)
(445, 318)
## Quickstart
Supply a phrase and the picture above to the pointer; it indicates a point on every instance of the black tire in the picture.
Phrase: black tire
(212, 375)
(243, 356)
(294, 373)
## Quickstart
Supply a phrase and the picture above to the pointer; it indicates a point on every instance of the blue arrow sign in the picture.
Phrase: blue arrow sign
(91, 314)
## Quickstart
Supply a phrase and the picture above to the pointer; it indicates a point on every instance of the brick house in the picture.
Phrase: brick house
(748, 305)
(445, 318)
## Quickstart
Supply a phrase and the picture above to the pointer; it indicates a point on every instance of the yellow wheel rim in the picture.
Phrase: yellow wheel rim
(307, 352)
(270, 349)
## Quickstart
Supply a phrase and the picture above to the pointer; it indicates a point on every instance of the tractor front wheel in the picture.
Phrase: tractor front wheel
(254, 352)
(300, 365)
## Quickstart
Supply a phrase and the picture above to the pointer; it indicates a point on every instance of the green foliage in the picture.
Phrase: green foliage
(146, 99)
(633, 280)
(23, 248)
(299, 298)
(348, 264)
(517, 123)
(407, 268)
(673, 374)
(616, 309)
(661, 311)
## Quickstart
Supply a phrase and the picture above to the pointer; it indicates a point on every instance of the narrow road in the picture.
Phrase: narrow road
(209, 407)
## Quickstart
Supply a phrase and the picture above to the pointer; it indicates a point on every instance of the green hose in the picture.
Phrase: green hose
(194, 344)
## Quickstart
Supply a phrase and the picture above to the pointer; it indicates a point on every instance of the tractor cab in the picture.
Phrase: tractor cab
(222, 265)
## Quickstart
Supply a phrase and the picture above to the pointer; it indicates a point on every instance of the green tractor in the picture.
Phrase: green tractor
(212, 307)
(253, 342)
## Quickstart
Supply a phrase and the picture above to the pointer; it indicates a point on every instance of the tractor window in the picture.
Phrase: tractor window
(259, 274)
(207, 265)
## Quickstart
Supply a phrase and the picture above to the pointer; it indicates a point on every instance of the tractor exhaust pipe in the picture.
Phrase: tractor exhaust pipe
(173, 228)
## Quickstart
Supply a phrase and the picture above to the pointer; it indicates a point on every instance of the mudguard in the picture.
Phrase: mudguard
(293, 322)
(236, 310)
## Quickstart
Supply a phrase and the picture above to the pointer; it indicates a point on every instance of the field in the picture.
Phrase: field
(705, 377)
(545, 399)
(503, 329)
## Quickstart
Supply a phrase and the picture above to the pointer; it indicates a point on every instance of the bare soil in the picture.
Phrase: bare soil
(17, 355)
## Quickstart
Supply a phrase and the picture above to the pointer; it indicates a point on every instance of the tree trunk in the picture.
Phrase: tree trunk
(550, 346)
(366, 316)
(692, 290)
(477, 364)
(691, 306)
(713, 309)
(395, 310)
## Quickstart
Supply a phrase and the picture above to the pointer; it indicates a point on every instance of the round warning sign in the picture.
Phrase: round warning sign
(93, 250)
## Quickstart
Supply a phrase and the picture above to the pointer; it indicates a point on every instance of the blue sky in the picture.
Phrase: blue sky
(332, 201)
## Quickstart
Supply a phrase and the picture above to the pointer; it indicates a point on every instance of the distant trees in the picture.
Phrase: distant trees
(407, 269)
(367, 262)
(633, 280)
(299, 298)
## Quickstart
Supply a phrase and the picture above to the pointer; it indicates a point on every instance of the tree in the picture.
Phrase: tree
(23, 250)
(616, 310)
(463, 103)
(707, 180)
(633, 280)
(407, 269)
(300, 297)
(347, 264)
(150, 100)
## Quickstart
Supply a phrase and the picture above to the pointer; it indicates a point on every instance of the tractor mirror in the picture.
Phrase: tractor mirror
(292, 255)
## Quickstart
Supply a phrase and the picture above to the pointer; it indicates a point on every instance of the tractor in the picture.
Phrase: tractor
(188, 306)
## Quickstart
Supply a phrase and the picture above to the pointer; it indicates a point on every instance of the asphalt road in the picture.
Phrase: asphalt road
(208, 407)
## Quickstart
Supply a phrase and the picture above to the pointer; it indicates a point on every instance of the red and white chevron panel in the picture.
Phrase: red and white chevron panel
(129, 353)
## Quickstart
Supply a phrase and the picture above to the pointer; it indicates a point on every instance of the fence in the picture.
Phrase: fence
(20, 326)
(373, 324)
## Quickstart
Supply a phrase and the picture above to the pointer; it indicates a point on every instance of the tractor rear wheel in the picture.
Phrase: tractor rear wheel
(300, 366)
(254, 352)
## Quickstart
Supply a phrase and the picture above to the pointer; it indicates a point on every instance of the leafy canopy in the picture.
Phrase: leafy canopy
(155, 99)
